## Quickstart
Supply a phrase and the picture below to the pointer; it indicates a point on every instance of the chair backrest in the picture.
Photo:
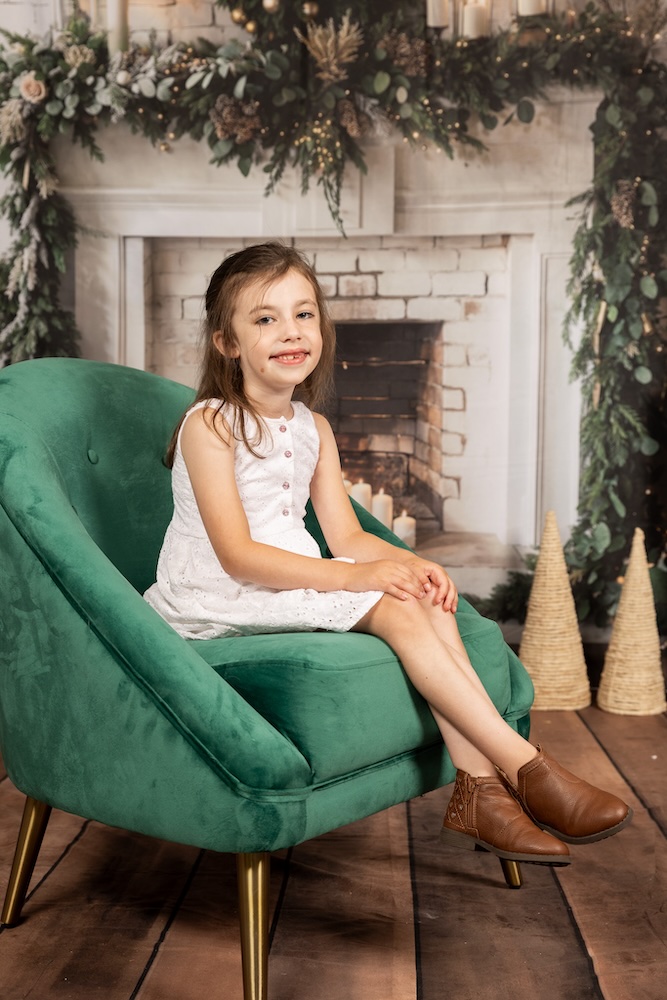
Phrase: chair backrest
(105, 428)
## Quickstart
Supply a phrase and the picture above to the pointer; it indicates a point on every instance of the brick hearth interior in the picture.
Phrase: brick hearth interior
(414, 346)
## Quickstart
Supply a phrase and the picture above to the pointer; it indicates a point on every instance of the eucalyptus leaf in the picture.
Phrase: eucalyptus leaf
(649, 446)
(245, 164)
(617, 503)
(653, 216)
(381, 81)
(163, 92)
(649, 195)
(239, 91)
(613, 116)
(279, 59)
(601, 537)
(147, 87)
(405, 110)
(643, 374)
(63, 88)
(223, 147)
(93, 109)
(649, 286)
(525, 111)
(645, 95)
(273, 71)
(194, 79)
(53, 107)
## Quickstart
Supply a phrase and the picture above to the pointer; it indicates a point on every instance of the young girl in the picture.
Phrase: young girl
(237, 558)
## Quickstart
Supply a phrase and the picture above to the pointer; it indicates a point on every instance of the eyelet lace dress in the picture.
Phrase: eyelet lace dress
(195, 594)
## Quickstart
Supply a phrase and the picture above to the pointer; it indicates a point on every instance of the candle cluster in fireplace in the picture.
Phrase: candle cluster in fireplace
(381, 506)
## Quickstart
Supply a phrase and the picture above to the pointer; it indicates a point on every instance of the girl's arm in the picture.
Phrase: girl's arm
(209, 458)
(345, 536)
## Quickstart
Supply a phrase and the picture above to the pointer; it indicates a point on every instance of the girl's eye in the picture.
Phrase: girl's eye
(305, 315)
(264, 320)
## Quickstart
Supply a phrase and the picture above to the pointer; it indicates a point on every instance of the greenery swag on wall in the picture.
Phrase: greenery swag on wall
(306, 93)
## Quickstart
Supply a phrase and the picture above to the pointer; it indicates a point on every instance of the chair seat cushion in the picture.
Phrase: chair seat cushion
(344, 700)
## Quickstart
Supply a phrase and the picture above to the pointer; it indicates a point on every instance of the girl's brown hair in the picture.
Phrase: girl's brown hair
(221, 376)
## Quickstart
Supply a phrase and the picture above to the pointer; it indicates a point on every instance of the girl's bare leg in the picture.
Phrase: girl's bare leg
(427, 642)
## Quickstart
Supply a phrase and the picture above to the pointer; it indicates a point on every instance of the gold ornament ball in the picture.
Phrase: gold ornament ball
(310, 9)
(251, 27)
(238, 16)
(271, 6)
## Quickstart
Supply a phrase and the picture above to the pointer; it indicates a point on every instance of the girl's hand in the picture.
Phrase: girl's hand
(440, 586)
(400, 579)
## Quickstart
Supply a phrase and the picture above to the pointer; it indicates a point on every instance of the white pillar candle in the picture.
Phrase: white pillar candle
(94, 13)
(405, 527)
(531, 8)
(362, 493)
(437, 13)
(475, 20)
(382, 507)
(117, 25)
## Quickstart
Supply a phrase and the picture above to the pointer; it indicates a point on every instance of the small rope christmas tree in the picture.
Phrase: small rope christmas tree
(632, 681)
(551, 647)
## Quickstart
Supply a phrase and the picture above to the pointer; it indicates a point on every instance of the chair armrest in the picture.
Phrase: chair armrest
(234, 739)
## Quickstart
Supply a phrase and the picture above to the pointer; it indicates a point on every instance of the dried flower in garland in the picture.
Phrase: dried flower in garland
(332, 47)
(12, 122)
(234, 119)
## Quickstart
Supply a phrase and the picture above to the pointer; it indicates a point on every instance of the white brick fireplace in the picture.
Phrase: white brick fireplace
(476, 249)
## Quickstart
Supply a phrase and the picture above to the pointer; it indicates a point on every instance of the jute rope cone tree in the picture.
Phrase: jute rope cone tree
(632, 681)
(551, 647)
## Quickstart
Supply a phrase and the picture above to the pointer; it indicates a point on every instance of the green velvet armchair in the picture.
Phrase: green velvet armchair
(244, 745)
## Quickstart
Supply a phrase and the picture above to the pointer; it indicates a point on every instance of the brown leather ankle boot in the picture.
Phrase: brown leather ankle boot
(483, 815)
(567, 806)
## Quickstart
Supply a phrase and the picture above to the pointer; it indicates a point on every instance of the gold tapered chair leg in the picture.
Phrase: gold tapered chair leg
(512, 873)
(35, 818)
(253, 879)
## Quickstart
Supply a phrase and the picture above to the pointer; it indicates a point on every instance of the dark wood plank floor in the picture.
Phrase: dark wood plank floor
(375, 911)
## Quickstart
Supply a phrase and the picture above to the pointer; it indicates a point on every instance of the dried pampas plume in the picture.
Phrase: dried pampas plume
(332, 47)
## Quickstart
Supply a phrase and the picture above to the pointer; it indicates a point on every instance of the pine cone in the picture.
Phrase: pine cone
(355, 122)
(234, 119)
(623, 204)
(409, 54)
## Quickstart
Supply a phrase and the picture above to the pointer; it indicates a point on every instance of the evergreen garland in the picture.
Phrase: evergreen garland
(306, 92)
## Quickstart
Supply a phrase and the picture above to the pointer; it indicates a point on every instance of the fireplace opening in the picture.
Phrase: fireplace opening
(386, 416)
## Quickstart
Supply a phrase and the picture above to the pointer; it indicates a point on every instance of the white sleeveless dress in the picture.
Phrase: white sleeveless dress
(194, 593)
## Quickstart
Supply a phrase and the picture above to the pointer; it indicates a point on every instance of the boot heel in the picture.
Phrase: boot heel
(452, 838)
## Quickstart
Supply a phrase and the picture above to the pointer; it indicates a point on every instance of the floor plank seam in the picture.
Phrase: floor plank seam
(165, 930)
(281, 896)
(657, 819)
(419, 986)
(577, 932)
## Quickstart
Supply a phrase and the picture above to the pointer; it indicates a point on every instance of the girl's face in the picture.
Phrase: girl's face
(278, 338)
